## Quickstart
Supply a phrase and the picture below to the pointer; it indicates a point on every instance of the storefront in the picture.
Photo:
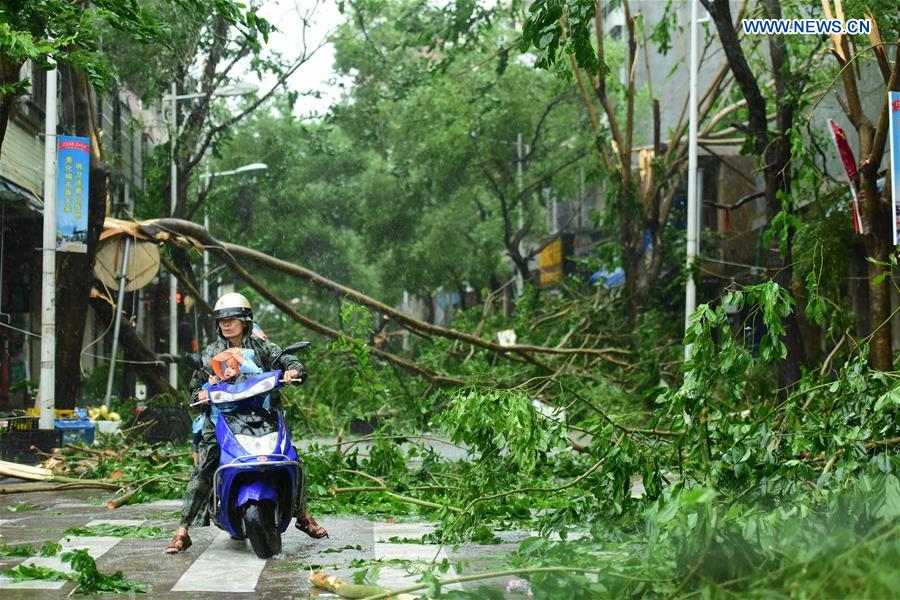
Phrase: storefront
(20, 276)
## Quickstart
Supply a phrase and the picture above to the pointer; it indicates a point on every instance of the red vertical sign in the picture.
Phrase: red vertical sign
(849, 162)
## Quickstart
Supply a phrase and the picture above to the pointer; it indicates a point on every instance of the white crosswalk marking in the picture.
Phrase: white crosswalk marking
(124, 522)
(96, 547)
(163, 504)
(225, 566)
(393, 577)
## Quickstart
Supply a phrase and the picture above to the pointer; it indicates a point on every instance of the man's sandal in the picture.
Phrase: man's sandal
(308, 525)
(180, 542)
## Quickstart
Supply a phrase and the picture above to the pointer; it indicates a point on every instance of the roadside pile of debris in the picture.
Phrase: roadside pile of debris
(136, 472)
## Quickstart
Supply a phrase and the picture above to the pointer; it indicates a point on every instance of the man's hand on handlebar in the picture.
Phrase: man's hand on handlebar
(292, 376)
(203, 398)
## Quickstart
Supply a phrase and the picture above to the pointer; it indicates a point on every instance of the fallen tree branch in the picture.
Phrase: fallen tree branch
(193, 230)
(377, 480)
(869, 447)
(125, 498)
(375, 436)
(353, 490)
(38, 487)
(396, 496)
(335, 584)
(608, 419)
(323, 329)
(489, 575)
(188, 285)
(574, 482)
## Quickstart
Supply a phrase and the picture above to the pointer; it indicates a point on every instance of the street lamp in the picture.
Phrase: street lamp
(236, 89)
(48, 259)
(693, 205)
(207, 177)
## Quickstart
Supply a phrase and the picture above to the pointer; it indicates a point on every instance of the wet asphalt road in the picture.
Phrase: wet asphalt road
(216, 566)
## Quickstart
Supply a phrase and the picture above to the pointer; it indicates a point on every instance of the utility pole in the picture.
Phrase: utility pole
(48, 260)
(117, 321)
(173, 201)
(204, 287)
(520, 281)
(690, 292)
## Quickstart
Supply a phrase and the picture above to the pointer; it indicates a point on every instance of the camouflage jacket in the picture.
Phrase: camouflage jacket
(265, 352)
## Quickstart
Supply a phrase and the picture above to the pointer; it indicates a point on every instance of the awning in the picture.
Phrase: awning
(15, 193)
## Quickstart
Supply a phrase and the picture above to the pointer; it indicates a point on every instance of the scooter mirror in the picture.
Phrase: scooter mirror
(292, 348)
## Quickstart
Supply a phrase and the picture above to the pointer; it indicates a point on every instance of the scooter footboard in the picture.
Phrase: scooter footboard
(239, 483)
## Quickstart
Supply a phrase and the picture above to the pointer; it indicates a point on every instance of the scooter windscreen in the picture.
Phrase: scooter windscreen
(255, 431)
(257, 385)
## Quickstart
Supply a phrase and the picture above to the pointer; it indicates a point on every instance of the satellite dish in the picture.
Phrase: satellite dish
(143, 262)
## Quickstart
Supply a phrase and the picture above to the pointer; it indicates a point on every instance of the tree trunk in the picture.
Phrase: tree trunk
(875, 210)
(636, 283)
(877, 240)
(858, 290)
(774, 150)
(75, 270)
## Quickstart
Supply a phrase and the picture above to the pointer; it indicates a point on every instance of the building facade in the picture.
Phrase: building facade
(124, 132)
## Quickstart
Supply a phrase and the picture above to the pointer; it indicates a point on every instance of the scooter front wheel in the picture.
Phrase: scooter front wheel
(260, 528)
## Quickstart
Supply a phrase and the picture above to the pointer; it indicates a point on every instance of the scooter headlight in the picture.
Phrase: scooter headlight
(264, 444)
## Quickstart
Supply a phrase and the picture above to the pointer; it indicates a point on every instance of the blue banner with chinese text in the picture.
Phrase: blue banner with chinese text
(74, 163)
(894, 145)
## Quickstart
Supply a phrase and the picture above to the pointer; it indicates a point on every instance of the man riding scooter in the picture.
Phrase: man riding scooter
(234, 319)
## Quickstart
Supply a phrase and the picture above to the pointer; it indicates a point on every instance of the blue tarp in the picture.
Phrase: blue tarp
(609, 279)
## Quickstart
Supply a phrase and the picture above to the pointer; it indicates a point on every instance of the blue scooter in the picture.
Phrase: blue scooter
(255, 486)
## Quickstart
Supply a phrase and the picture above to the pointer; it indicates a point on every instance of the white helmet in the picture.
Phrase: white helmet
(233, 306)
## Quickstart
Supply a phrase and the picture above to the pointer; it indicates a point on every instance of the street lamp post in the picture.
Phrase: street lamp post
(207, 177)
(173, 202)
(48, 261)
(238, 89)
(690, 295)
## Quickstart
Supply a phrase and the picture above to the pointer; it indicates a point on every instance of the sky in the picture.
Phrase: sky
(317, 73)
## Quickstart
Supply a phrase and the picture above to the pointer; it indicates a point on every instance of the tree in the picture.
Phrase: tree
(569, 39)
(225, 47)
(441, 123)
(70, 34)
(66, 32)
(875, 209)
(209, 48)
(791, 66)
(305, 205)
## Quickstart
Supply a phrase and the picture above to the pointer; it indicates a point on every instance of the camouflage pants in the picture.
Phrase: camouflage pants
(198, 496)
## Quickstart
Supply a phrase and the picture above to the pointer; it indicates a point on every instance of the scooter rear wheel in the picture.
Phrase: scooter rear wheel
(260, 528)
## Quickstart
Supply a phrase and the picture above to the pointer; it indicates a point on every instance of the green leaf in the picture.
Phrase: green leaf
(23, 507)
(434, 584)
(34, 572)
(18, 550)
(888, 400)
(92, 581)
(122, 531)
(698, 496)
(50, 548)
(890, 507)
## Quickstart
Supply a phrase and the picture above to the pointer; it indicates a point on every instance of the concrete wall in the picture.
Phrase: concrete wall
(666, 75)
